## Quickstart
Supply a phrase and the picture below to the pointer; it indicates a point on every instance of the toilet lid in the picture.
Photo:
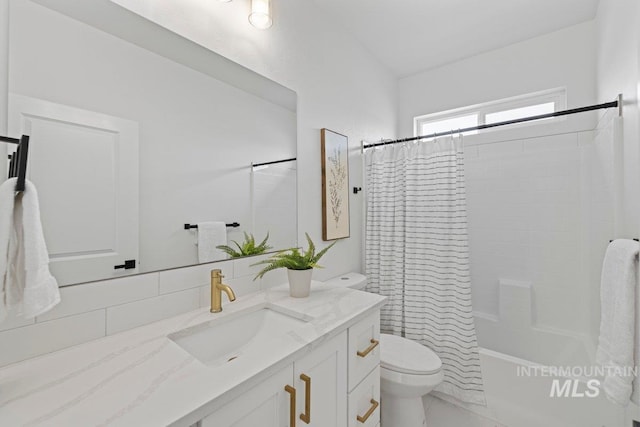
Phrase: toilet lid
(403, 355)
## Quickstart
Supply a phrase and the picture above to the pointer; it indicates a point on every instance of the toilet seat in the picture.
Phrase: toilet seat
(402, 355)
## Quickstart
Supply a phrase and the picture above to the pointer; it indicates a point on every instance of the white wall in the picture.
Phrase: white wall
(340, 86)
(4, 79)
(618, 31)
(618, 65)
(565, 58)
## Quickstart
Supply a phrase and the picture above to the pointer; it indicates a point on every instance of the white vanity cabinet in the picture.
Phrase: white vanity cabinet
(335, 385)
(364, 372)
(266, 405)
(321, 383)
(328, 356)
(315, 394)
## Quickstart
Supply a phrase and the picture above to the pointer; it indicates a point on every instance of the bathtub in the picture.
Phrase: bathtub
(517, 400)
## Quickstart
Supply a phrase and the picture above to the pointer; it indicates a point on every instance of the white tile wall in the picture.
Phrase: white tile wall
(138, 313)
(12, 321)
(500, 149)
(92, 310)
(205, 296)
(245, 267)
(551, 143)
(180, 279)
(515, 303)
(44, 337)
(92, 296)
(277, 277)
(244, 285)
(241, 286)
(540, 211)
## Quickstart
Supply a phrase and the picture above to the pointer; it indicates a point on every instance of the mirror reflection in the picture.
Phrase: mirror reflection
(128, 145)
(274, 190)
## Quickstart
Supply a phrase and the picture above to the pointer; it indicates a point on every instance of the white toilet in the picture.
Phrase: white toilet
(408, 370)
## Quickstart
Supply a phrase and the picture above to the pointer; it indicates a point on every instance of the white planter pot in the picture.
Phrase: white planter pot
(299, 282)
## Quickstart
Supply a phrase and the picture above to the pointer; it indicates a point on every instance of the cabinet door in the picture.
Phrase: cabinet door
(321, 384)
(266, 405)
(364, 349)
(364, 402)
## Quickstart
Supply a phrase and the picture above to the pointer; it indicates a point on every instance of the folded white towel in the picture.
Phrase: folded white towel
(7, 194)
(618, 316)
(33, 290)
(210, 235)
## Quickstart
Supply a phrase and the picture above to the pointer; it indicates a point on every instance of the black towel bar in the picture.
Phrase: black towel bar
(18, 160)
(190, 226)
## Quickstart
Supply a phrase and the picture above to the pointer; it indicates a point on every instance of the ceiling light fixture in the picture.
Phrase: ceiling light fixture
(260, 16)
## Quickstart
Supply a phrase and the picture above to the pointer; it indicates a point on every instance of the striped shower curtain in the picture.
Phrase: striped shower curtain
(417, 254)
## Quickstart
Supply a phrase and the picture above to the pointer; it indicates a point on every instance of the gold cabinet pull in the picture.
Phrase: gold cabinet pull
(366, 416)
(374, 344)
(292, 405)
(306, 417)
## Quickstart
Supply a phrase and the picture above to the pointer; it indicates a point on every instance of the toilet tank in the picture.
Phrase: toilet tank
(348, 280)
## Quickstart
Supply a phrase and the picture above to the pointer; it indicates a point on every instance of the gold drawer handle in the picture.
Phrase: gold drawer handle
(292, 405)
(306, 417)
(374, 344)
(374, 406)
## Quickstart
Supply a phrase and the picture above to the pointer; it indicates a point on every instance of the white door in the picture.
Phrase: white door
(85, 167)
(266, 405)
(321, 380)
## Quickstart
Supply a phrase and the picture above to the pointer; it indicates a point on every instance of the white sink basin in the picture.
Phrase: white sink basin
(224, 340)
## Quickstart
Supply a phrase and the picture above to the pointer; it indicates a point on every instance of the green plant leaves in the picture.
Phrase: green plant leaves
(247, 248)
(293, 259)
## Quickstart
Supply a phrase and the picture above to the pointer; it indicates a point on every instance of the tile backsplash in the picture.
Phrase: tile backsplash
(93, 310)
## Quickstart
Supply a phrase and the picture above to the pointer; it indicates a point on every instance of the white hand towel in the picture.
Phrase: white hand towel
(210, 235)
(7, 194)
(618, 316)
(37, 290)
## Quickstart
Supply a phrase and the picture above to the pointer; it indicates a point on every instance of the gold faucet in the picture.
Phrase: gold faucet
(216, 291)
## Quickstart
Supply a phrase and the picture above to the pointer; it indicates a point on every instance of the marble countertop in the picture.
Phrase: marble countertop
(141, 377)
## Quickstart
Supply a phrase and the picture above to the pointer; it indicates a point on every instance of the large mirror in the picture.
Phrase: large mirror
(135, 134)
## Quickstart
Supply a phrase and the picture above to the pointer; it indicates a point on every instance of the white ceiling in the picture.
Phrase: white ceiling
(410, 36)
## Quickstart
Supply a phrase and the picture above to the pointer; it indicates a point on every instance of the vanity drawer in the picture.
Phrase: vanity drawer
(364, 402)
(364, 348)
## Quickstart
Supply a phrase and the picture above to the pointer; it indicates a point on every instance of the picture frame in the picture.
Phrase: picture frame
(335, 185)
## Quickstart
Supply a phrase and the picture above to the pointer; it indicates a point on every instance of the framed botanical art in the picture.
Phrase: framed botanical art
(335, 185)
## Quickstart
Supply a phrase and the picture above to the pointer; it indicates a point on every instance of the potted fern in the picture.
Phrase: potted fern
(299, 267)
(247, 248)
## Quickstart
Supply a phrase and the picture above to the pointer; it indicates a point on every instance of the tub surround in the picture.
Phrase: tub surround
(141, 377)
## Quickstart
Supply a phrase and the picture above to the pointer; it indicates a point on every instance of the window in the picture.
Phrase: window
(443, 125)
(533, 104)
(518, 113)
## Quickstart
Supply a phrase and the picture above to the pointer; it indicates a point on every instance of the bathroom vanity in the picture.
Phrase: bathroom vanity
(266, 359)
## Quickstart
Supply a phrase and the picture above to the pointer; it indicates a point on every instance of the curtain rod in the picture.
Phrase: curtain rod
(613, 104)
(255, 165)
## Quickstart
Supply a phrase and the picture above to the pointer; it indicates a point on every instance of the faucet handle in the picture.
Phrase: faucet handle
(217, 273)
